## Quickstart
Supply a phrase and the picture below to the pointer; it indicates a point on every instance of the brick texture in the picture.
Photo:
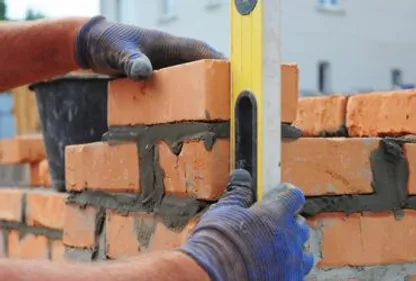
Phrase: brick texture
(102, 166)
(195, 171)
(80, 226)
(161, 98)
(290, 91)
(28, 247)
(165, 239)
(318, 115)
(11, 204)
(367, 240)
(329, 166)
(45, 209)
(44, 176)
(57, 251)
(22, 149)
(123, 233)
(382, 113)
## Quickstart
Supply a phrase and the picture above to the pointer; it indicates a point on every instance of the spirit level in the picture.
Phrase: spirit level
(255, 91)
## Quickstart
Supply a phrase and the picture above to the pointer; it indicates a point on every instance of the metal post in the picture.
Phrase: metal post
(255, 94)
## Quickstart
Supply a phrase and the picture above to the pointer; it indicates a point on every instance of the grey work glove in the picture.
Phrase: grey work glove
(238, 241)
(118, 49)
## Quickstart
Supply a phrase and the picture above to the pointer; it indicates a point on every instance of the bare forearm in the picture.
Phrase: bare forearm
(36, 50)
(162, 266)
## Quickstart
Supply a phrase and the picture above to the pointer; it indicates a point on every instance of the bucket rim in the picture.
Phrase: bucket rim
(71, 76)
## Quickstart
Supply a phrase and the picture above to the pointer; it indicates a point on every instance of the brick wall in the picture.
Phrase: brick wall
(165, 158)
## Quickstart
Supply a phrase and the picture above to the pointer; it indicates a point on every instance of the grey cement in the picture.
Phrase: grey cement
(399, 272)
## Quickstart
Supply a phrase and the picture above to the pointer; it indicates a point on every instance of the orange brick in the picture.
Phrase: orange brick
(165, 239)
(367, 240)
(57, 251)
(22, 149)
(34, 174)
(11, 204)
(196, 171)
(102, 166)
(204, 86)
(382, 113)
(290, 91)
(29, 246)
(320, 114)
(44, 176)
(80, 226)
(329, 166)
(123, 232)
(45, 209)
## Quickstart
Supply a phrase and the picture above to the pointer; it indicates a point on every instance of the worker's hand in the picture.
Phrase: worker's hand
(118, 49)
(235, 241)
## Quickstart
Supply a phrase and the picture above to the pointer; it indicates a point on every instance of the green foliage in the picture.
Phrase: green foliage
(33, 15)
(3, 10)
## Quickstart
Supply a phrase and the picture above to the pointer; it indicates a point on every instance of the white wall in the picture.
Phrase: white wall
(362, 42)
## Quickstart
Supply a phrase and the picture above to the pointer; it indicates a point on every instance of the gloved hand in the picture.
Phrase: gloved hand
(118, 49)
(236, 242)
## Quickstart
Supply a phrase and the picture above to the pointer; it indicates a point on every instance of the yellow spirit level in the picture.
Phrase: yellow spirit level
(255, 94)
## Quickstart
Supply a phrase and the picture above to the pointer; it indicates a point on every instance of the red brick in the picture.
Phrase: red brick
(320, 114)
(123, 232)
(80, 226)
(34, 174)
(22, 149)
(28, 247)
(196, 171)
(57, 251)
(329, 166)
(367, 239)
(382, 113)
(100, 165)
(44, 176)
(290, 91)
(11, 204)
(204, 86)
(45, 209)
(165, 239)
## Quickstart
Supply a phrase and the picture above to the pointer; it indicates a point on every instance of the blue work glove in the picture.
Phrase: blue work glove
(118, 49)
(235, 241)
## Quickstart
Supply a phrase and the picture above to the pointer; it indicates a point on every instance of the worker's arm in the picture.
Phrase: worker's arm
(233, 241)
(147, 267)
(37, 50)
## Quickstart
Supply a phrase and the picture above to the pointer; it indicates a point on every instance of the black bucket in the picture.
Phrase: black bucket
(72, 110)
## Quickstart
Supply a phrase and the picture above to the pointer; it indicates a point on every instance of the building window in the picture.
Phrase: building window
(167, 8)
(396, 77)
(329, 3)
(212, 4)
(323, 77)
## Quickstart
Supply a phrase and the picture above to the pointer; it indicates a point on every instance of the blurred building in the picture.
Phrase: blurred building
(340, 45)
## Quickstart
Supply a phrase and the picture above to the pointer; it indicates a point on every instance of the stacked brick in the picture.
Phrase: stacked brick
(356, 162)
(165, 159)
(31, 217)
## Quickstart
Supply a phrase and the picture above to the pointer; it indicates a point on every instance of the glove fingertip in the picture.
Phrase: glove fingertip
(308, 262)
(140, 68)
(240, 177)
